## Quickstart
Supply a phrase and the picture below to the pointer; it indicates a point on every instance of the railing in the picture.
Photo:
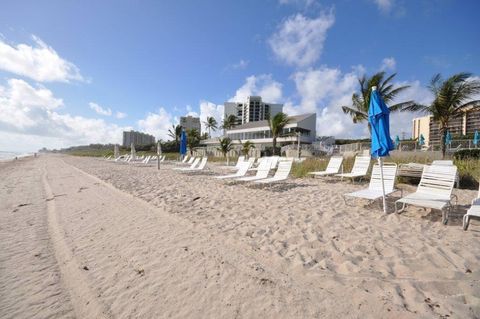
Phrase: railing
(410, 146)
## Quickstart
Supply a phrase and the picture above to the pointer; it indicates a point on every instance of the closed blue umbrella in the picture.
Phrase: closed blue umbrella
(183, 144)
(448, 138)
(476, 138)
(421, 140)
(397, 141)
(379, 118)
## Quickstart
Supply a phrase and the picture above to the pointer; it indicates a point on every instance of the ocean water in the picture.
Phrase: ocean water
(4, 156)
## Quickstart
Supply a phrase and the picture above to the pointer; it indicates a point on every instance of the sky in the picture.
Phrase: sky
(80, 72)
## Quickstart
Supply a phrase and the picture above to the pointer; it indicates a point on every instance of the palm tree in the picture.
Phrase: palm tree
(225, 147)
(175, 132)
(246, 147)
(228, 123)
(361, 101)
(193, 139)
(277, 124)
(451, 97)
(204, 136)
(211, 124)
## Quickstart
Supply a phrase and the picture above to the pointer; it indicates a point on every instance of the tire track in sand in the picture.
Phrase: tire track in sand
(84, 300)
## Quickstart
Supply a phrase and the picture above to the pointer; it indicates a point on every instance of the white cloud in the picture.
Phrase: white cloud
(262, 85)
(388, 64)
(120, 115)
(304, 3)
(242, 64)
(299, 40)
(100, 110)
(33, 113)
(325, 90)
(39, 62)
(157, 124)
(209, 109)
(384, 6)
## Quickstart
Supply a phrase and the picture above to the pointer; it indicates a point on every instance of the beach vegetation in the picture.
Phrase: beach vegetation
(277, 123)
(225, 147)
(358, 111)
(211, 125)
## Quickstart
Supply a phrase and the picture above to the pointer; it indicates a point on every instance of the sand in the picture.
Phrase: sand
(126, 241)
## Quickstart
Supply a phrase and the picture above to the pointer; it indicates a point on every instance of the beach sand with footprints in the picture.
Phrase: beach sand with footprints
(89, 238)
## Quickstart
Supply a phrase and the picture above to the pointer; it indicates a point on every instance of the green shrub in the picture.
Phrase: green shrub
(467, 154)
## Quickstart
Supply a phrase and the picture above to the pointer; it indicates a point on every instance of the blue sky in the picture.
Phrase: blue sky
(81, 72)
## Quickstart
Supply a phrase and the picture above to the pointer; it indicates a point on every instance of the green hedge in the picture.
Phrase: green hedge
(467, 154)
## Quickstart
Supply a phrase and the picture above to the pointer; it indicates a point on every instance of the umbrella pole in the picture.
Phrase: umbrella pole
(380, 162)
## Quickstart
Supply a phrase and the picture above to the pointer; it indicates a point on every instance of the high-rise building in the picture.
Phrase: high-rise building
(137, 138)
(190, 123)
(251, 110)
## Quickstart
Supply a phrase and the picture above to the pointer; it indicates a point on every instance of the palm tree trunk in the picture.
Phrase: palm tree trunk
(274, 144)
(443, 143)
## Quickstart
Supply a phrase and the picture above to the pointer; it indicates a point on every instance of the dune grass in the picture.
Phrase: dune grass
(468, 169)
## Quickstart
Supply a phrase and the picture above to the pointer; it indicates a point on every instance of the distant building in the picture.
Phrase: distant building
(137, 138)
(190, 123)
(259, 132)
(463, 125)
(251, 110)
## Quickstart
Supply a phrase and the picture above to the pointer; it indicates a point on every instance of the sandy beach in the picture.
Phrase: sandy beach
(88, 238)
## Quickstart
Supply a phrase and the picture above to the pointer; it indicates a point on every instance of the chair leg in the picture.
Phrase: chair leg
(401, 210)
(445, 215)
(466, 222)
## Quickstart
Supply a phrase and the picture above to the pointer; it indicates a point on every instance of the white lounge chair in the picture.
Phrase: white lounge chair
(359, 169)
(448, 163)
(194, 163)
(262, 172)
(334, 167)
(242, 170)
(274, 161)
(200, 166)
(473, 212)
(374, 190)
(443, 162)
(283, 170)
(434, 190)
(240, 160)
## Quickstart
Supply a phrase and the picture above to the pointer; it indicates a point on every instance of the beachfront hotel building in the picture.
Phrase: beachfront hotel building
(190, 123)
(463, 125)
(251, 110)
(137, 138)
(300, 127)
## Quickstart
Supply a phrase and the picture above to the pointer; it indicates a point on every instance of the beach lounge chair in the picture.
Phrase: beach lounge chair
(448, 163)
(262, 172)
(434, 190)
(473, 212)
(283, 170)
(334, 167)
(274, 161)
(257, 163)
(194, 163)
(200, 166)
(374, 190)
(359, 169)
(251, 160)
(443, 162)
(240, 160)
(242, 170)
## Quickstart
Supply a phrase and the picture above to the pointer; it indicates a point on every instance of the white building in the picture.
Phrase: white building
(137, 138)
(253, 109)
(190, 123)
(260, 135)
